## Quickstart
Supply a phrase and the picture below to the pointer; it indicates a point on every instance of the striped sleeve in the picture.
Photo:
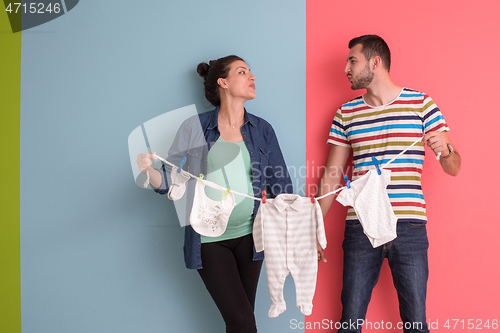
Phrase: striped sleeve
(320, 229)
(432, 118)
(338, 135)
(258, 230)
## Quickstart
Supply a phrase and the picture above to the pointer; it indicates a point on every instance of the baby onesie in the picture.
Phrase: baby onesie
(208, 217)
(368, 196)
(177, 183)
(286, 228)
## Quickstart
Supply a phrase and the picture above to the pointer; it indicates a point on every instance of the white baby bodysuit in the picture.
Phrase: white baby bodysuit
(286, 228)
(177, 183)
(368, 196)
(208, 217)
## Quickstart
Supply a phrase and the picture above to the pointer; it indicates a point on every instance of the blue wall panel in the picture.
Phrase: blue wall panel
(98, 253)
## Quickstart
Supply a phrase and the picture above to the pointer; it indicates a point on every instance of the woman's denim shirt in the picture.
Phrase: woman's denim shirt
(269, 171)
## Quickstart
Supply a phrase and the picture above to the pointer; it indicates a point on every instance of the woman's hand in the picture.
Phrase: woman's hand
(144, 162)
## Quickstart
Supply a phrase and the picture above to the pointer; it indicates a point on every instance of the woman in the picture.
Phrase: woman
(238, 151)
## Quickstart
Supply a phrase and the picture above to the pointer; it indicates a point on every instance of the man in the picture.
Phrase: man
(382, 123)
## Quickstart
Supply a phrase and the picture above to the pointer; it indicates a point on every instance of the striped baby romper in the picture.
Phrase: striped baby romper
(286, 228)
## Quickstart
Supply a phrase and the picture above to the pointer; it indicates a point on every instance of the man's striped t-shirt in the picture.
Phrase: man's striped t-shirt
(384, 131)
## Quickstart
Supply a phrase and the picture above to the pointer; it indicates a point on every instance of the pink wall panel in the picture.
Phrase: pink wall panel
(451, 53)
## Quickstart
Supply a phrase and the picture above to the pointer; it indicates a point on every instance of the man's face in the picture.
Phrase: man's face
(358, 69)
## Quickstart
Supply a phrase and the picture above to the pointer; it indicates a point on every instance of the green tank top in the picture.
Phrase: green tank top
(229, 166)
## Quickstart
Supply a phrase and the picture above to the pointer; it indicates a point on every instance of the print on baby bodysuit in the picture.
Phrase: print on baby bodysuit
(208, 217)
(368, 196)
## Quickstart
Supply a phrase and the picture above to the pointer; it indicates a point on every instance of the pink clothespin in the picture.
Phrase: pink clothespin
(264, 197)
(312, 197)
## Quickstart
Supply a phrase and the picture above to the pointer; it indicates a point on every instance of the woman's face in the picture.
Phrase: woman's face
(239, 83)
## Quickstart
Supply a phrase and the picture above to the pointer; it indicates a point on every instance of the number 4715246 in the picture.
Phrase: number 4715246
(33, 8)
(471, 324)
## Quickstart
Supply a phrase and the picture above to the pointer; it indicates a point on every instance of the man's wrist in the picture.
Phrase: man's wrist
(450, 150)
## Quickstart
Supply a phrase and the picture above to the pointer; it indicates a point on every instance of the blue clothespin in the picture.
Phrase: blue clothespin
(375, 162)
(183, 161)
(347, 181)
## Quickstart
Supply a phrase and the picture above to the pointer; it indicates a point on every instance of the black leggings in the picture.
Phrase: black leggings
(231, 276)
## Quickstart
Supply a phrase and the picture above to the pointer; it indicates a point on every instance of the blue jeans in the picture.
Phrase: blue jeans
(407, 256)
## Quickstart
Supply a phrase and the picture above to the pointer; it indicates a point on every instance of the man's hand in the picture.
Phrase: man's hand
(321, 252)
(437, 142)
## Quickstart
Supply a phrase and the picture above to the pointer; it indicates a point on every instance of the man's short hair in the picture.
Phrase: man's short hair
(373, 45)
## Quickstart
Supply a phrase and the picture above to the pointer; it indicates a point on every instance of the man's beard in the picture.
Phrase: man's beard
(363, 80)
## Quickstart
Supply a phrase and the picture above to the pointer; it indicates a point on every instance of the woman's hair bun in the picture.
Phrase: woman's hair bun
(203, 69)
(211, 72)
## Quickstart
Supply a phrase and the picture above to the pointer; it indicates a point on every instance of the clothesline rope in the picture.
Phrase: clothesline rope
(401, 153)
(259, 199)
(384, 166)
(196, 177)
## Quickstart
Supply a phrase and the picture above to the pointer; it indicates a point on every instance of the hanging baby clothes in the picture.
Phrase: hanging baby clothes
(286, 228)
(368, 196)
(208, 217)
(178, 183)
